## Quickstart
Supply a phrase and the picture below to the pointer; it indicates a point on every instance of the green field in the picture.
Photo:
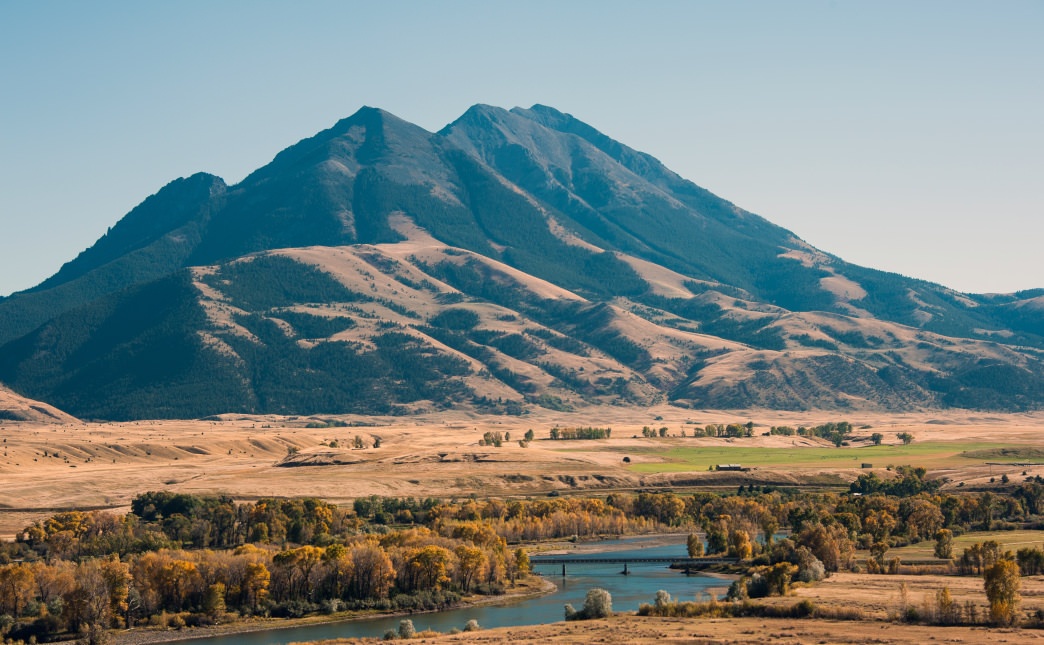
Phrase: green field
(1010, 541)
(928, 454)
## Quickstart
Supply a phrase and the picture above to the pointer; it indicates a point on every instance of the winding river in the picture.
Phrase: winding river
(627, 593)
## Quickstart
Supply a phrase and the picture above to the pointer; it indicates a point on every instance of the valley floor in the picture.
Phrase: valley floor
(46, 468)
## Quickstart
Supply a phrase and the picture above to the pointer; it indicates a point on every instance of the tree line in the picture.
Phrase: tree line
(187, 559)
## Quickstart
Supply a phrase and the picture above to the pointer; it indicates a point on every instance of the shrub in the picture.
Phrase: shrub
(330, 606)
(662, 599)
(406, 628)
(737, 591)
(812, 570)
(471, 626)
(597, 604)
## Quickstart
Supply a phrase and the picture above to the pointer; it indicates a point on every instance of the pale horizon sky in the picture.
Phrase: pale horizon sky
(906, 136)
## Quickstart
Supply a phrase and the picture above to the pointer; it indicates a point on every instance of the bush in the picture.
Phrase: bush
(597, 604)
(662, 598)
(814, 571)
(737, 591)
(406, 628)
(471, 626)
(715, 609)
(294, 609)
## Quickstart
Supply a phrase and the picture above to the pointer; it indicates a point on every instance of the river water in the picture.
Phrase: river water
(627, 592)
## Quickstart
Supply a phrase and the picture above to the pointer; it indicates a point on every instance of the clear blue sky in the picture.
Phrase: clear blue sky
(907, 136)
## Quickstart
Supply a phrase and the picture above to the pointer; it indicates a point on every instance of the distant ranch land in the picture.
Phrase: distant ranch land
(49, 467)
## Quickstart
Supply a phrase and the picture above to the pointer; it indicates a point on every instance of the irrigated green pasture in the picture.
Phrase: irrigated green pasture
(930, 454)
(1009, 540)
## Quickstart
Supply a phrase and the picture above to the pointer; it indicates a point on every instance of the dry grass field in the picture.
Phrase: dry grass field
(637, 630)
(64, 464)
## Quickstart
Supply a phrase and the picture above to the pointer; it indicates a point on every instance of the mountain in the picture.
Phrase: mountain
(514, 258)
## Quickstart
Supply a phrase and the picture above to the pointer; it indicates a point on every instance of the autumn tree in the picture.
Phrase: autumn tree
(739, 544)
(339, 560)
(374, 573)
(17, 586)
(90, 604)
(1002, 582)
(520, 563)
(255, 584)
(177, 579)
(470, 562)
(830, 544)
(427, 567)
(922, 516)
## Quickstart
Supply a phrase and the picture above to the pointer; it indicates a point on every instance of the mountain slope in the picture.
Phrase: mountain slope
(153, 240)
(514, 258)
(14, 407)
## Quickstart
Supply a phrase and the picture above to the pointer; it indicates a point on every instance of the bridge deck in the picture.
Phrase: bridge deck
(536, 559)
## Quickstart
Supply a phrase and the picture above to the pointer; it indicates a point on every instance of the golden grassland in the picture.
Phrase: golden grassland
(46, 468)
(630, 629)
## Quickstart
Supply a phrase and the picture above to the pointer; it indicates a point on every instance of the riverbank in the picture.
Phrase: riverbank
(531, 587)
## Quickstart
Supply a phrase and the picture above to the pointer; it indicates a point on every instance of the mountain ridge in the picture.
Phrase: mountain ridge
(495, 204)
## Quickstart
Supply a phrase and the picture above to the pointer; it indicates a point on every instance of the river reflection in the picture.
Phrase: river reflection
(627, 591)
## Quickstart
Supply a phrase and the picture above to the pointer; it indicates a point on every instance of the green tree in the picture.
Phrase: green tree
(944, 544)
(694, 545)
(878, 550)
(779, 576)
(214, 600)
(769, 526)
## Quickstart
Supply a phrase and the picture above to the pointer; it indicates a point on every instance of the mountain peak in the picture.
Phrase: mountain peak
(368, 116)
(544, 114)
(476, 115)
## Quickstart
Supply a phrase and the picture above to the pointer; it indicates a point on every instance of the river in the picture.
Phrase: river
(627, 592)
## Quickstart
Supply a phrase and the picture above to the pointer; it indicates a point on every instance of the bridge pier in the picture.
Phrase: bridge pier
(625, 571)
(563, 569)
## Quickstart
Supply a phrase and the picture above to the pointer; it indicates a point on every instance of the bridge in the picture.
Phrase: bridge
(676, 562)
